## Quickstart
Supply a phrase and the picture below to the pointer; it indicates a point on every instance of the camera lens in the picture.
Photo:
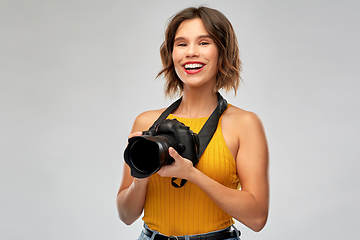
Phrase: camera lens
(145, 156)
(149, 153)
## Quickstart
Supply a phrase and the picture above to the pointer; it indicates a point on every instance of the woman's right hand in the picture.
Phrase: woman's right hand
(135, 134)
(132, 193)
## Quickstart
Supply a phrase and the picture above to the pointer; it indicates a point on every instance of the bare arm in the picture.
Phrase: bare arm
(250, 205)
(130, 199)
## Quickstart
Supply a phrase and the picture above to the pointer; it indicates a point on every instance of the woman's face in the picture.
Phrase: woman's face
(195, 55)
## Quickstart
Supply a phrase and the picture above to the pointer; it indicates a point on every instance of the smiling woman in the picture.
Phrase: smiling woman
(200, 56)
(195, 55)
(220, 32)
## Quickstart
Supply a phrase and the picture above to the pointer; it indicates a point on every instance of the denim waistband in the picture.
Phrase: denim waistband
(155, 234)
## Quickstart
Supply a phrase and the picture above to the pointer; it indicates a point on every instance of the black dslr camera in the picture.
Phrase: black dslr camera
(147, 153)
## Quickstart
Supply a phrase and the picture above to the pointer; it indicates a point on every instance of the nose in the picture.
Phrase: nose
(192, 51)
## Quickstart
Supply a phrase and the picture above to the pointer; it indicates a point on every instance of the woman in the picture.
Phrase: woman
(200, 56)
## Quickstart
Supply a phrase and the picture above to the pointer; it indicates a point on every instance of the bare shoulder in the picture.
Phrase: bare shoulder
(241, 124)
(144, 120)
(235, 116)
(243, 130)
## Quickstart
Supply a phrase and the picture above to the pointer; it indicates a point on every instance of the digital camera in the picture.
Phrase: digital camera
(147, 153)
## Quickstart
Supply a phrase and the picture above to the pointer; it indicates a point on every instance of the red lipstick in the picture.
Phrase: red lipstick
(193, 67)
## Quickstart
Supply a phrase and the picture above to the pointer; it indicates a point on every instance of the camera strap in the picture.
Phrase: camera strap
(206, 132)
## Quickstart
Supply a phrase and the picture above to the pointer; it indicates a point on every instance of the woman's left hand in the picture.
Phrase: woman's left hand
(180, 168)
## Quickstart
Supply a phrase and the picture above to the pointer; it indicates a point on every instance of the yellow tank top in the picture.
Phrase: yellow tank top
(188, 210)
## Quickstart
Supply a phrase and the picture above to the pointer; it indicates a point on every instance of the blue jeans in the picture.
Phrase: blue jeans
(144, 237)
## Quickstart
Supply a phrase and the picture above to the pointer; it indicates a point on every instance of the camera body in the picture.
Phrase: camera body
(147, 153)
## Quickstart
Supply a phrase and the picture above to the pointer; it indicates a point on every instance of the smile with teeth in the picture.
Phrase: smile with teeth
(193, 66)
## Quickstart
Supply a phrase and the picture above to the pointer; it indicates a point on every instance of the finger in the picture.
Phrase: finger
(174, 154)
(134, 134)
(165, 171)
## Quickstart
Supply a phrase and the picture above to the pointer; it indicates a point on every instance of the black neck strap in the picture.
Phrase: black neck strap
(206, 132)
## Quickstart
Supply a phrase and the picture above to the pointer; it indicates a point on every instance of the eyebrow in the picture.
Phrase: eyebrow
(182, 38)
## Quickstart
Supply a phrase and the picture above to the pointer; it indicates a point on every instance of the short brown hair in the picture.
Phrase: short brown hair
(222, 33)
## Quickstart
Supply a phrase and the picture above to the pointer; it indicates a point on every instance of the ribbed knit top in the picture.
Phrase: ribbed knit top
(188, 210)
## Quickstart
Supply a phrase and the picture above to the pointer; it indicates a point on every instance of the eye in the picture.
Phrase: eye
(181, 45)
(204, 43)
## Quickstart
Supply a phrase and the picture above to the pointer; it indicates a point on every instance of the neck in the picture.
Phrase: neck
(196, 104)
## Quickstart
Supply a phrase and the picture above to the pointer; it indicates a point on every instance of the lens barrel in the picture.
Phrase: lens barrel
(147, 154)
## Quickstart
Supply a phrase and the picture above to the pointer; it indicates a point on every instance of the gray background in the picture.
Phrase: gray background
(75, 74)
